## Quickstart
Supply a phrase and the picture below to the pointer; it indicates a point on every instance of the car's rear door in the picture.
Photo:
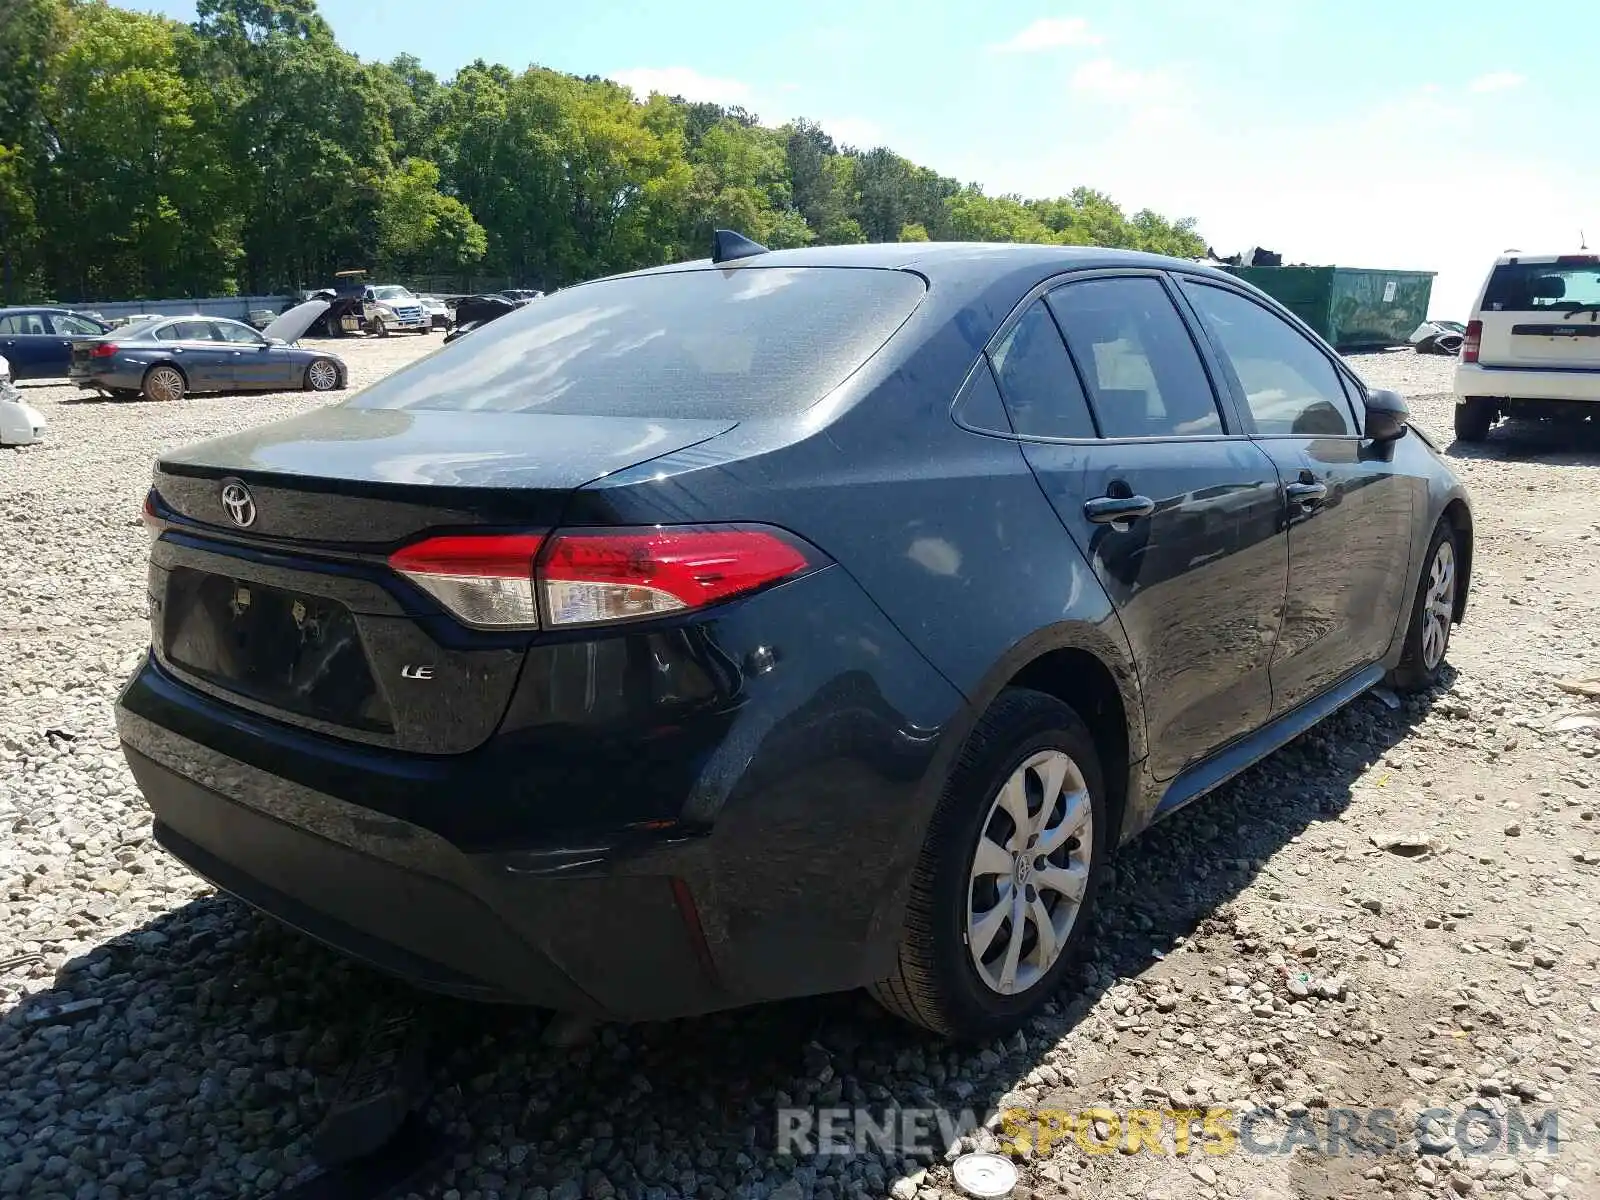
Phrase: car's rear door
(207, 362)
(1349, 509)
(1177, 512)
(31, 348)
(1542, 314)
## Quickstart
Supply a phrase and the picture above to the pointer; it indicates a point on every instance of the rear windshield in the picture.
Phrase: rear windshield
(1543, 287)
(744, 343)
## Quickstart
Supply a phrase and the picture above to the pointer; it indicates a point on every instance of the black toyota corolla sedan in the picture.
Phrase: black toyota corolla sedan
(777, 624)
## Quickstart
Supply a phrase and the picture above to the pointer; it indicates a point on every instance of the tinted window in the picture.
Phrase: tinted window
(226, 331)
(1041, 389)
(1288, 383)
(188, 331)
(979, 405)
(1543, 287)
(74, 326)
(168, 333)
(738, 343)
(22, 323)
(1143, 373)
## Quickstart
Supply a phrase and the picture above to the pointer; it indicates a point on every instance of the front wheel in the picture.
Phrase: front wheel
(1002, 892)
(1474, 417)
(1433, 612)
(322, 376)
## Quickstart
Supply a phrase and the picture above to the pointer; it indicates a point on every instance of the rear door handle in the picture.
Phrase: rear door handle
(1306, 494)
(1108, 510)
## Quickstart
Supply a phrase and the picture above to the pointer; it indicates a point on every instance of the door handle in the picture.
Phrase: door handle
(1109, 510)
(1307, 495)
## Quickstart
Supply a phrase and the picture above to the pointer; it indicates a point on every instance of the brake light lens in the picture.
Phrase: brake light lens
(617, 576)
(104, 350)
(487, 581)
(1472, 342)
(589, 577)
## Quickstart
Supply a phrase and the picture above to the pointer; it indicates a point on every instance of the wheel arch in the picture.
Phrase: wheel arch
(164, 362)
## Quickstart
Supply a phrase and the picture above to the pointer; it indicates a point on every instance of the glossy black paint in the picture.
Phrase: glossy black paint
(729, 772)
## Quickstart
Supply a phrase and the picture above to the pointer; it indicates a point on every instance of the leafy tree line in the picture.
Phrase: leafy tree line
(248, 152)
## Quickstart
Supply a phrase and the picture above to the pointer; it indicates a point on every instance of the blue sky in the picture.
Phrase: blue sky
(1365, 133)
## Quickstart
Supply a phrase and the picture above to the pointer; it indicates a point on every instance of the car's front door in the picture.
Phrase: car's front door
(68, 330)
(28, 345)
(1178, 515)
(1349, 511)
(256, 364)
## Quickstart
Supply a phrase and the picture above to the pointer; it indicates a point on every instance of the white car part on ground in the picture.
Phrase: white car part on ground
(20, 424)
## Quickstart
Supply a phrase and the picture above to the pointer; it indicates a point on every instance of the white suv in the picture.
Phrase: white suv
(1532, 347)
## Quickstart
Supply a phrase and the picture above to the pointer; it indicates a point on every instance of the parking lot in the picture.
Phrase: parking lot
(1396, 912)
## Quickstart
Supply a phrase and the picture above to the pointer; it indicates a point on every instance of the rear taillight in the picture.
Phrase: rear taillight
(151, 517)
(487, 581)
(1472, 341)
(587, 577)
(104, 350)
(614, 576)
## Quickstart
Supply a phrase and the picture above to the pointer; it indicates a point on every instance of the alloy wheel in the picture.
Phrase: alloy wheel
(1438, 606)
(164, 384)
(1029, 872)
(323, 376)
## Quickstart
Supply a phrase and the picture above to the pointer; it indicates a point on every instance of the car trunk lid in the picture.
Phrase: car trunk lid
(279, 597)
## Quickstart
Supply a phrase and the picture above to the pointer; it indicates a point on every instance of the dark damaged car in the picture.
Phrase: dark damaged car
(795, 622)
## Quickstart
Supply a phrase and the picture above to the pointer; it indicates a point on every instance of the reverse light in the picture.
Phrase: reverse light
(487, 581)
(104, 350)
(1472, 341)
(607, 575)
(586, 577)
(152, 519)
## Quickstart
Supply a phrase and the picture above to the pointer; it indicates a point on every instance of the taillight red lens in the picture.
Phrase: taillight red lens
(487, 580)
(152, 518)
(104, 350)
(1472, 342)
(613, 576)
(594, 576)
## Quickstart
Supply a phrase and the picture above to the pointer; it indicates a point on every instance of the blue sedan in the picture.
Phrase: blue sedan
(38, 342)
(164, 358)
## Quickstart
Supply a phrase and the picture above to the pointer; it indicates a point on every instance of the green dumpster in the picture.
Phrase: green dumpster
(1352, 307)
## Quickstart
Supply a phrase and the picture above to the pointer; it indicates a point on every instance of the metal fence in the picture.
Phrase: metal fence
(237, 307)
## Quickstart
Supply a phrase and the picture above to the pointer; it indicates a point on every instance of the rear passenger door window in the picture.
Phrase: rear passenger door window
(1289, 385)
(1036, 378)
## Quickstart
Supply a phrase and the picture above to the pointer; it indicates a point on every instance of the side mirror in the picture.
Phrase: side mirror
(1388, 418)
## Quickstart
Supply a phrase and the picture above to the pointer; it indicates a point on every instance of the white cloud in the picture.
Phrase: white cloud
(685, 82)
(1498, 81)
(1107, 80)
(1050, 33)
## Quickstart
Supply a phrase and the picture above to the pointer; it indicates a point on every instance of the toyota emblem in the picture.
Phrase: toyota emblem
(239, 504)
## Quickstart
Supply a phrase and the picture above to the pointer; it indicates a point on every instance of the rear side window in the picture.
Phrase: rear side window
(1289, 385)
(745, 342)
(1138, 361)
(22, 323)
(187, 331)
(1036, 378)
(1543, 287)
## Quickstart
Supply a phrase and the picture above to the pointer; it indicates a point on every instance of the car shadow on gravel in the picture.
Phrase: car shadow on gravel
(1553, 443)
(209, 1059)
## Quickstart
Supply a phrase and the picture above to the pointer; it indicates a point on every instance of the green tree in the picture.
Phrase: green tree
(915, 231)
(419, 229)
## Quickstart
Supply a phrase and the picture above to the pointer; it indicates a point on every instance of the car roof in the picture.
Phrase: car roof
(1577, 258)
(43, 308)
(934, 258)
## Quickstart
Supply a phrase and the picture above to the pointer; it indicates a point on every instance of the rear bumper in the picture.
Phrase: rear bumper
(684, 861)
(1519, 383)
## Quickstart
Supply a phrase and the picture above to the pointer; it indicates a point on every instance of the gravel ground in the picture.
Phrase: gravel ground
(1396, 911)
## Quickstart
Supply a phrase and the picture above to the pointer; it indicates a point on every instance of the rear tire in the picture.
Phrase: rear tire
(1474, 417)
(163, 383)
(980, 869)
(1432, 614)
